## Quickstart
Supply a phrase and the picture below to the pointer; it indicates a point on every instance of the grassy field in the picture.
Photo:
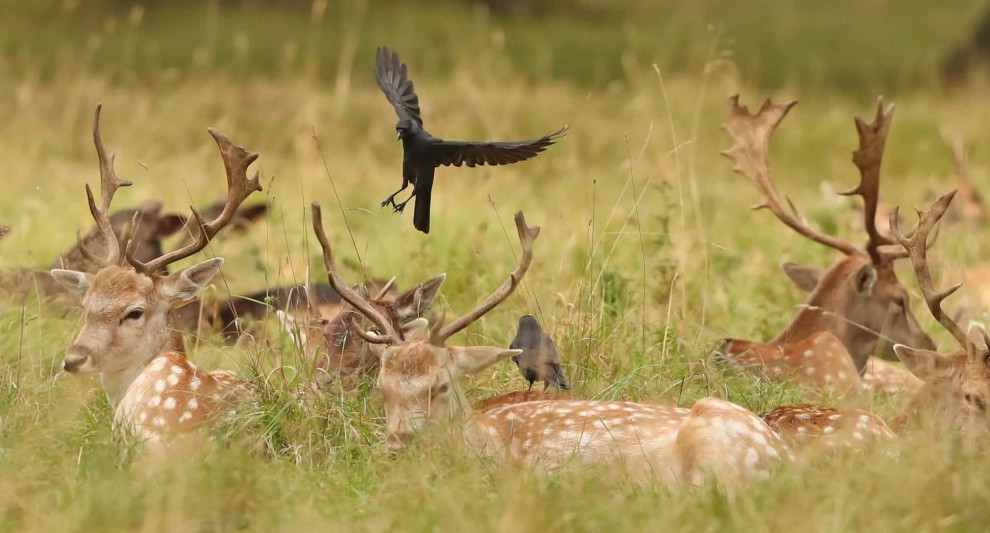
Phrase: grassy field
(647, 257)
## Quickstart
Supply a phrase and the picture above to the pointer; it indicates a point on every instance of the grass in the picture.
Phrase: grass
(635, 294)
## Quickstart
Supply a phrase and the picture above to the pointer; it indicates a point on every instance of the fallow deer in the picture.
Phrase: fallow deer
(859, 298)
(128, 336)
(813, 430)
(956, 394)
(145, 237)
(419, 381)
(336, 351)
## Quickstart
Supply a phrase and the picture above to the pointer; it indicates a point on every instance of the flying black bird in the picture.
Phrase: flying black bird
(539, 360)
(423, 153)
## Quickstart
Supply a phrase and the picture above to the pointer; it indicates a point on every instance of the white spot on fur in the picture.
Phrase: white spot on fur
(160, 385)
(175, 369)
(169, 403)
(185, 416)
(173, 380)
(154, 401)
(194, 384)
(192, 404)
(158, 421)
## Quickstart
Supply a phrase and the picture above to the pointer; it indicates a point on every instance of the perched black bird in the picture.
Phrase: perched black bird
(539, 360)
(423, 153)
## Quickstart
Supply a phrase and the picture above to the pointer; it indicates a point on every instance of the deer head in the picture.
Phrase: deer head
(957, 387)
(419, 377)
(127, 310)
(859, 298)
(333, 343)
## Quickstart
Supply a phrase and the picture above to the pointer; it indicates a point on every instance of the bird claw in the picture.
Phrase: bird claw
(388, 201)
(399, 207)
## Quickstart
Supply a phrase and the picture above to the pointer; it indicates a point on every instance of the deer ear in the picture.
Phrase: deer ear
(474, 359)
(169, 224)
(865, 280)
(413, 327)
(186, 284)
(414, 302)
(76, 282)
(925, 364)
(978, 349)
(804, 277)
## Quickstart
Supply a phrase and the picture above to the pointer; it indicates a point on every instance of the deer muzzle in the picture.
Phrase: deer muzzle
(79, 360)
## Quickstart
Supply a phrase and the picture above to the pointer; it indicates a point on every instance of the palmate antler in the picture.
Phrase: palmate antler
(916, 246)
(109, 183)
(236, 161)
(869, 155)
(751, 133)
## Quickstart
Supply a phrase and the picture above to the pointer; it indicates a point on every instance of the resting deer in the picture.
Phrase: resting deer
(128, 336)
(419, 381)
(146, 239)
(956, 394)
(333, 347)
(813, 430)
(859, 298)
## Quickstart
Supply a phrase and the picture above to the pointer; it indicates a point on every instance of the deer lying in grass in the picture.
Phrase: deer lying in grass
(419, 381)
(956, 394)
(128, 336)
(813, 430)
(146, 239)
(337, 351)
(859, 298)
(956, 388)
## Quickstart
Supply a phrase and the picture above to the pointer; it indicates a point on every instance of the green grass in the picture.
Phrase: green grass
(302, 462)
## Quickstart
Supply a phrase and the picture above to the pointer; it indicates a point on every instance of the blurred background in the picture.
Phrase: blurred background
(855, 47)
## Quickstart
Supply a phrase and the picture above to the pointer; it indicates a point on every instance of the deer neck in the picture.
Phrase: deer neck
(116, 382)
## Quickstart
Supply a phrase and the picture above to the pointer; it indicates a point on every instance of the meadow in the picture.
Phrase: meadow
(648, 254)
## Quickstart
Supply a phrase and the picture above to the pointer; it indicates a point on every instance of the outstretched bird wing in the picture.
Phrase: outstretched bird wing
(472, 154)
(393, 79)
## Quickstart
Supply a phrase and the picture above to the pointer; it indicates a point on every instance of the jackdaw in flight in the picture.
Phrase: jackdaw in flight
(423, 153)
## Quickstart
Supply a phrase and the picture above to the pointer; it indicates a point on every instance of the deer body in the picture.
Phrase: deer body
(673, 444)
(813, 429)
(820, 360)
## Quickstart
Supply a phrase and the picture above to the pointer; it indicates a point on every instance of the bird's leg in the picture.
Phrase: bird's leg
(530, 386)
(399, 207)
(391, 198)
(546, 384)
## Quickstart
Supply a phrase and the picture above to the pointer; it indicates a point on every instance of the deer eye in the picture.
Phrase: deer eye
(974, 401)
(134, 314)
(440, 389)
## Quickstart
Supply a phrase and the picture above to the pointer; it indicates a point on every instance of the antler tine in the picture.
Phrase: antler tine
(109, 183)
(236, 161)
(749, 154)
(869, 155)
(351, 296)
(917, 247)
(527, 235)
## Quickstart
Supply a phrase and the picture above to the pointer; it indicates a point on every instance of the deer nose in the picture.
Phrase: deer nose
(73, 363)
(398, 441)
